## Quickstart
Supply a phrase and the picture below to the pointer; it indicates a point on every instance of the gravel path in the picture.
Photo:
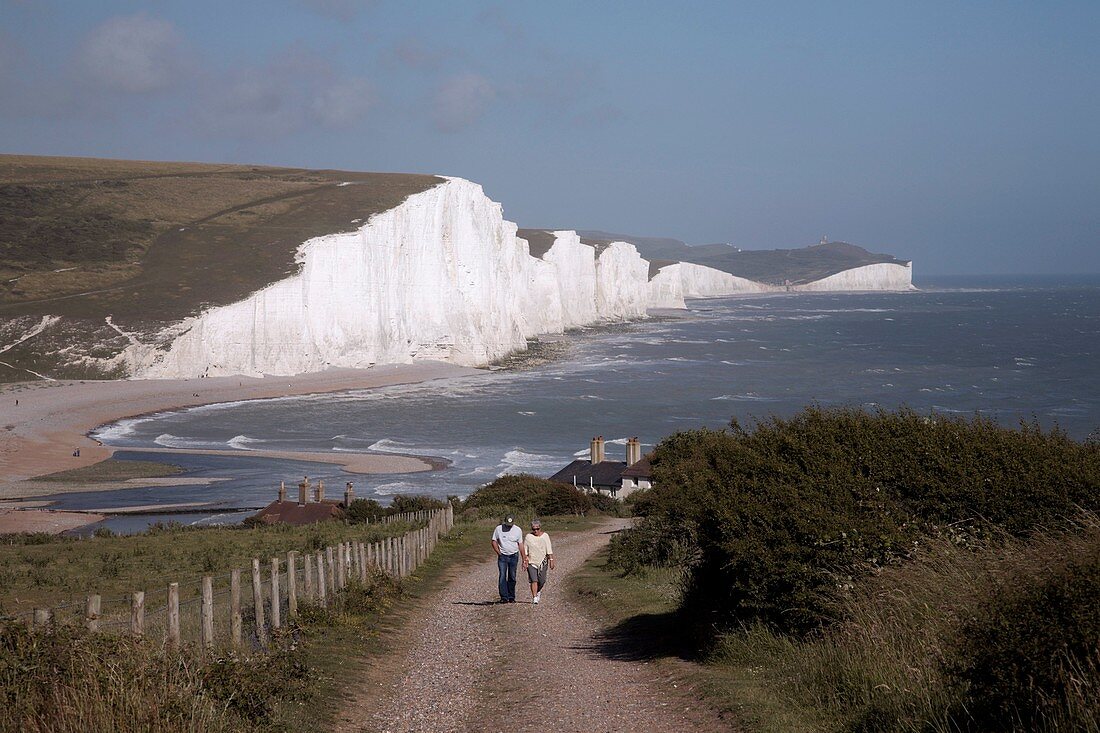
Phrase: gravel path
(480, 666)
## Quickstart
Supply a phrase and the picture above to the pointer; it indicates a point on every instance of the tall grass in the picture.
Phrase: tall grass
(901, 657)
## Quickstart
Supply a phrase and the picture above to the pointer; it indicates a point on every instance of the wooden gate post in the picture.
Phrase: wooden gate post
(207, 629)
(276, 601)
(322, 584)
(137, 613)
(309, 577)
(91, 612)
(258, 602)
(292, 584)
(173, 633)
(235, 624)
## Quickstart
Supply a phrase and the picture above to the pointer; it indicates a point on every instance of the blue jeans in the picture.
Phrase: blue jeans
(506, 572)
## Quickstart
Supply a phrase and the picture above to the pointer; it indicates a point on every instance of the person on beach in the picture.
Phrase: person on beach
(540, 558)
(507, 543)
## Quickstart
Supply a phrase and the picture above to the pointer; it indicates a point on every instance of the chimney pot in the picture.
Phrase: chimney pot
(321, 490)
(303, 494)
(282, 491)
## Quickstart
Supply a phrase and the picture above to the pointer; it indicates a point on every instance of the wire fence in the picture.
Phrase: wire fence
(244, 607)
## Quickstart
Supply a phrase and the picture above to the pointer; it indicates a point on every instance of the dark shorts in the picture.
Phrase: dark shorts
(537, 574)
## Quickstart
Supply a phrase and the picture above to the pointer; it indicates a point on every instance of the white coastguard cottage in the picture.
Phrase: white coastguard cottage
(612, 478)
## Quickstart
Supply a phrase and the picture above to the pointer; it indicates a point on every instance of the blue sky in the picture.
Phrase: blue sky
(965, 135)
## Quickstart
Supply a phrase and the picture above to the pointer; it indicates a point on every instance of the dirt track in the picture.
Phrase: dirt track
(474, 665)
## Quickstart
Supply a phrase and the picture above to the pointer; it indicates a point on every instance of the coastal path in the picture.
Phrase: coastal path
(471, 664)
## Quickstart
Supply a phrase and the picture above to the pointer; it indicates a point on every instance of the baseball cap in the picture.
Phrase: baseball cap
(508, 521)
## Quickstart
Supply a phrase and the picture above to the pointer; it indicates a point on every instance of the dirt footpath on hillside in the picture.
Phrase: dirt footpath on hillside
(475, 665)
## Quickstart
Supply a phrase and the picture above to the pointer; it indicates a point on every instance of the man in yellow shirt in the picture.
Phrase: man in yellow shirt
(539, 560)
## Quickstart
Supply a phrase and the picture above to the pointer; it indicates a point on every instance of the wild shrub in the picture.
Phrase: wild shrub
(250, 687)
(363, 511)
(66, 679)
(1029, 656)
(959, 638)
(786, 512)
(523, 492)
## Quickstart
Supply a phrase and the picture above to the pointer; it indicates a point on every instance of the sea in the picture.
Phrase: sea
(1013, 349)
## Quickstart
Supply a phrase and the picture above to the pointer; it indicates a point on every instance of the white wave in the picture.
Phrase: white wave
(385, 445)
(747, 397)
(243, 442)
(520, 461)
(525, 412)
(117, 431)
(395, 487)
(167, 440)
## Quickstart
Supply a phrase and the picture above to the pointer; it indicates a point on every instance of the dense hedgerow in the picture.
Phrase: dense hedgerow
(362, 511)
(1029, 656)
(526, 493)
(777, 518)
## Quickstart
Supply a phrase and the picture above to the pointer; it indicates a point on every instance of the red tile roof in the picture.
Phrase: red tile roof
(291, 512)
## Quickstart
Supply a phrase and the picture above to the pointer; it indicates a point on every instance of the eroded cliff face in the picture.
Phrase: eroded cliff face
(882, 276)
(441, 276)
(673, 284)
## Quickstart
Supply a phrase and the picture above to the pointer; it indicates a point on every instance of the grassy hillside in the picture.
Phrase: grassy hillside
(149, 243)
(849, 571)
(774, 266)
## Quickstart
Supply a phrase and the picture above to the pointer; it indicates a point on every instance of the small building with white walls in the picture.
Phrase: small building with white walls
(597, 475)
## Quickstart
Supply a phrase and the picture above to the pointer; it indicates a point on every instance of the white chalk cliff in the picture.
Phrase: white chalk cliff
(441, 276)
(880, 276)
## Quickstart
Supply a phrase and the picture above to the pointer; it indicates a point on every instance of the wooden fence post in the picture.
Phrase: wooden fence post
(207, 630)
(137, 613)
(91, 612)
(292, 584)
(276, 601)
(341, 570)
(258, 602)
(330, 572)
(309, 576)
(235, 624)
(322, 586)
(362, 562)
(173, 633)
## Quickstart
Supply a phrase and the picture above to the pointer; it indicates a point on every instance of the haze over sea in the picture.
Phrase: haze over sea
(1013, 349)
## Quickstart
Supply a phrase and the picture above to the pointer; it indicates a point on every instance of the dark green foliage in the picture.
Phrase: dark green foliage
(251, 687)
(783, 513)
(368, 510)
(372, 597)
(402, 504)
(608, 505)
(1032, 646)
(362, 511)
(68, 679)
(520, 492)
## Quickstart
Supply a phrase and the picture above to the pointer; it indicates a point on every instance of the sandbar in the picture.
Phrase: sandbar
(18, 521)
(52, 419)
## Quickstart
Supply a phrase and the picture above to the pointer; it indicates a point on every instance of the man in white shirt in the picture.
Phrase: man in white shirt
(508, 545)
(539, 560)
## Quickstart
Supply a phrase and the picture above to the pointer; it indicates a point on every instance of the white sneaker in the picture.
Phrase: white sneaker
(537, 597)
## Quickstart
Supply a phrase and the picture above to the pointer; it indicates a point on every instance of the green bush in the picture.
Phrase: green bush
(784, 514)
(363, 511)
(1029, 658)
(65, 679)
(523, 492)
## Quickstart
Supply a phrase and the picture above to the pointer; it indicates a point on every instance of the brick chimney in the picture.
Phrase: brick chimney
(321, 490)
(282, 491)
(633, 451)
(597, 450)
(349, 495)
(303, 494)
